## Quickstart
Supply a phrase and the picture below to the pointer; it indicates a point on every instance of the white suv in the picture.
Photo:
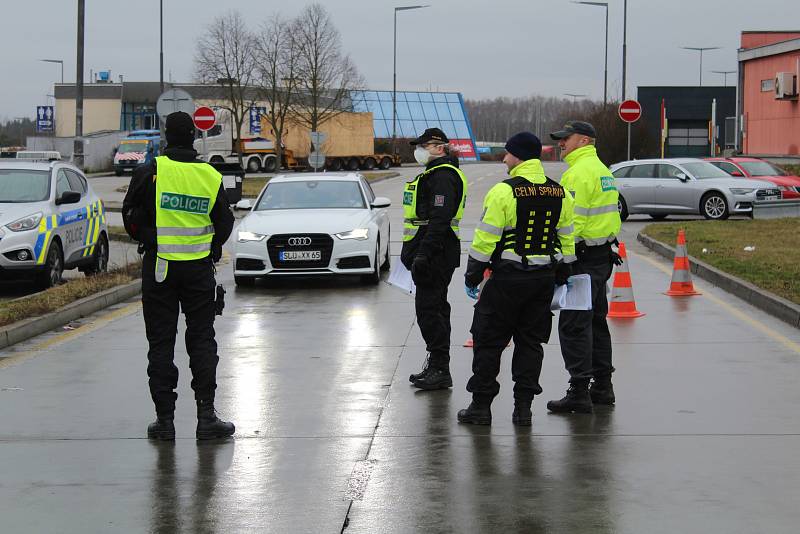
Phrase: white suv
(50, 220)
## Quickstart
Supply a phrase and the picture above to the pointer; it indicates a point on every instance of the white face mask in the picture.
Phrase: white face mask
(422, 156)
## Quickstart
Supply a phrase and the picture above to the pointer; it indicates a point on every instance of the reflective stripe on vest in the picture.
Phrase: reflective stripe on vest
(185, 195)
(411, 223)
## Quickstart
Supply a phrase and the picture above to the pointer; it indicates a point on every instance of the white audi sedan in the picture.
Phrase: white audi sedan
(313, 224)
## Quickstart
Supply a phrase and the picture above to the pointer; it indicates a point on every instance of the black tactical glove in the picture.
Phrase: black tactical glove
(216, 252)
(616, 259)
(563, 271)
(421, 269)
(219, 302)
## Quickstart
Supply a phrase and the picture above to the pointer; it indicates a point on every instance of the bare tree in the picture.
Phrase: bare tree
(325, 75)
(276, 66)
(225, 57)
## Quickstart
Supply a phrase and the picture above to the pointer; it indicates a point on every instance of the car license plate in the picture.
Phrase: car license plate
(300, 255)
(772, 197)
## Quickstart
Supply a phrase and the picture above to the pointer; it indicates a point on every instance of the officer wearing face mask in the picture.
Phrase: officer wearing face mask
(433, 204)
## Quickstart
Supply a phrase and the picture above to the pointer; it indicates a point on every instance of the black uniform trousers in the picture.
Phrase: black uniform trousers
(584, 336)
(190, 285)
(433, 312)
(511, 306)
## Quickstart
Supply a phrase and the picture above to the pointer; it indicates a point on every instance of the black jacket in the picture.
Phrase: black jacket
(438, 201)
(139, 206)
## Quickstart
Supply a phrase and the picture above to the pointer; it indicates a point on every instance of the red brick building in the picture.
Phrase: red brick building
(768, 105)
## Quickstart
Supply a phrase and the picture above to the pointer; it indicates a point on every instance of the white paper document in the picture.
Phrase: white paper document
(400, 277)
(575, 295)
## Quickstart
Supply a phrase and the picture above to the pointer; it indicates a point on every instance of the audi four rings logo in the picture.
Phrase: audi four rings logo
(299, 241)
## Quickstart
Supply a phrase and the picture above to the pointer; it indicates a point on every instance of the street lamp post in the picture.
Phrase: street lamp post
(725, 75)
(394, 76)
(60, 62)
(77, 150)
(605, 71)
(624, 48)
(161, 46)
(700, 49)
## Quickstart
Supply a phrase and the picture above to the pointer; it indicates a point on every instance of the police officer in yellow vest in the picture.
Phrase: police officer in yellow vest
(433, 204)
(525, 237)
(177, 209)
(584, 335)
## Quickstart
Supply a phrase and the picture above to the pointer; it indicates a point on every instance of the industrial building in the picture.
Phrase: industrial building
(768, 106)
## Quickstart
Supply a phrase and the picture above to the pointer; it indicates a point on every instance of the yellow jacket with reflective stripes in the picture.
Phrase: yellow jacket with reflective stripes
(500, 214)
(592, 185)
(185, 196)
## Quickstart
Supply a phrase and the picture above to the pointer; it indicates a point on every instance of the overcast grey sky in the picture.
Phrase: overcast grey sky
(480, 48)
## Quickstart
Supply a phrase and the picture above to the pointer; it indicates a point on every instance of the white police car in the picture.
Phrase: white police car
(50, 220)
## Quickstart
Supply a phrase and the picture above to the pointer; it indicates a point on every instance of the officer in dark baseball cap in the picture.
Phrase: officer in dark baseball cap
(573, 128)
(433, 204)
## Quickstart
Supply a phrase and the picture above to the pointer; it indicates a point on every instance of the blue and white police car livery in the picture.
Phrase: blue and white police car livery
(50, 220)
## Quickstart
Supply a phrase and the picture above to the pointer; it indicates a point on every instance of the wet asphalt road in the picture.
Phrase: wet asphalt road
(314, 374)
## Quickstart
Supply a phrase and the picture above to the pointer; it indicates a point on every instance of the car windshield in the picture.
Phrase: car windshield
(132, 147)
(311, 194)
(702, 170)
(18, 185)
(761, 168)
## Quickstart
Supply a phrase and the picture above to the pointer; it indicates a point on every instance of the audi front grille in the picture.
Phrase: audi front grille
(281, 242)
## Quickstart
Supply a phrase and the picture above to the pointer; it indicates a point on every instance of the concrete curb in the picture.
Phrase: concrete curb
(767, 302)
(34, 326)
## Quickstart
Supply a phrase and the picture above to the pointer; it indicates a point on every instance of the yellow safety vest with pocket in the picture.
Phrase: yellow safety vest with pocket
(411, 221)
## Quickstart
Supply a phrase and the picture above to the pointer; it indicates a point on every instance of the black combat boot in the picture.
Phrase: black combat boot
(209, 426)
(577, 400)
(162, 428)
(602, 391)
(477, 413)
(522, 412)
(434, 378)
(421, 374)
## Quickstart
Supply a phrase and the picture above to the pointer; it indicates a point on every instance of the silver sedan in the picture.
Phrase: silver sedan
(686, 186)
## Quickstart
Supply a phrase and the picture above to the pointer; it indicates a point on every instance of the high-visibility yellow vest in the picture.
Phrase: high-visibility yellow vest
(411, 221)
(591, 183)
(527, 219)
(185, 196)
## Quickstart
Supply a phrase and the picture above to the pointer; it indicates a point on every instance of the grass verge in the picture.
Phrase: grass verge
(57, 297)
(774, 265)
(251, 187)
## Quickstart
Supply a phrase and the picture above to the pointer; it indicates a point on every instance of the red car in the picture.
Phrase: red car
(762, 170)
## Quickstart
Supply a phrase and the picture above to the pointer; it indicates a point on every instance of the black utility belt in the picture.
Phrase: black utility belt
(593, 251)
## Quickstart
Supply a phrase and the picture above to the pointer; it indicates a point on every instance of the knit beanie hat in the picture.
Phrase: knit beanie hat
(525, 146)
(179, 130)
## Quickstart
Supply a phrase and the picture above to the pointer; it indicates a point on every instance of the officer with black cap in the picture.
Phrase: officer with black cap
(525, 238)
(584, 335)
(177, 209)
(433, 204)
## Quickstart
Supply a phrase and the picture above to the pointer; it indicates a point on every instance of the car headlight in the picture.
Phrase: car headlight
(26, 223)
(246, 237)
(359, 233)
(741, 190)
(785, 188)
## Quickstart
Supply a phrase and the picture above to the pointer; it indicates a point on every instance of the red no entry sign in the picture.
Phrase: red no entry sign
(630, 111)
(204, 118)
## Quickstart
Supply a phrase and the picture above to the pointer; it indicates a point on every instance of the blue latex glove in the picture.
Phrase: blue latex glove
(472, 292)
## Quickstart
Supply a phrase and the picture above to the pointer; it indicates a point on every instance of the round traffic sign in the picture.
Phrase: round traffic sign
(316, 160)
(630, 111)
(204, 118)
(173, 100)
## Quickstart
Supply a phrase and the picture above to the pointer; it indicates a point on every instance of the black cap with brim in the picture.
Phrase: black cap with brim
(431, 135)
(574, 127)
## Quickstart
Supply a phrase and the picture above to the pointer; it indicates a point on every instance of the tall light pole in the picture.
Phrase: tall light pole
(700, 49)
(575, 97)
(394, 76)
(77, 150)
(161, 47)
(59, 61)
(605, 72)
(624, 49)
(725, 75)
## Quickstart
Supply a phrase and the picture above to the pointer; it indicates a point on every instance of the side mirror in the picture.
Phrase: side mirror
(243, 204)
(380, 202)
(69, 197)
(682, 177)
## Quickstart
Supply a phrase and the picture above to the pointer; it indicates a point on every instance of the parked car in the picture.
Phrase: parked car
(313, 224)
(759, 169)
(50, 220)
(686, 186)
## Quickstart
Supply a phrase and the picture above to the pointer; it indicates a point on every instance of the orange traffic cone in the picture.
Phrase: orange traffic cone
(681, 285)
(623, 305)
(486, 274)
